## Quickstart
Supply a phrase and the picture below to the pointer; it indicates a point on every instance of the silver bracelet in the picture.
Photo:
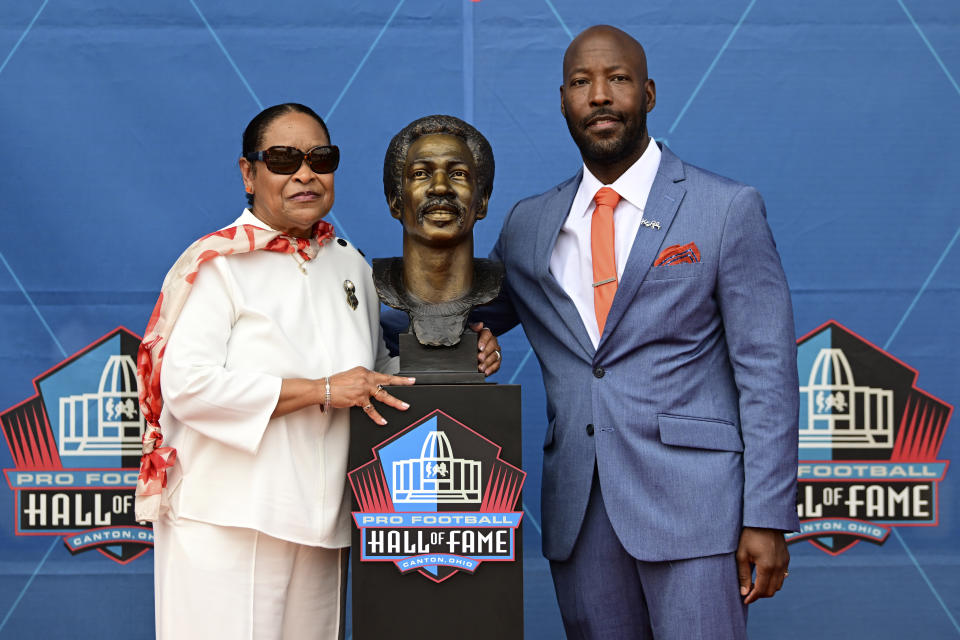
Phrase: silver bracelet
(326, 398)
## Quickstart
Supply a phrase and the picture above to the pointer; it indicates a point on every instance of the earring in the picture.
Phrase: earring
(249, 189)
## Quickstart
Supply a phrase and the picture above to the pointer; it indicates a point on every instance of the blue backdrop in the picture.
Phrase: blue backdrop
(121, 128)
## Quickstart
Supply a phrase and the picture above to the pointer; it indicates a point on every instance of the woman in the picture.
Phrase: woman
(263, 332)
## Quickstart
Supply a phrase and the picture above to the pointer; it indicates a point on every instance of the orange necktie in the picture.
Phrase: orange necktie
(604, 255)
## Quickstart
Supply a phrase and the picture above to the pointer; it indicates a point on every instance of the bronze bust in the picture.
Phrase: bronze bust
(437, 178)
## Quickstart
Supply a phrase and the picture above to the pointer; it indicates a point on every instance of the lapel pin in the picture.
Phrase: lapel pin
(651, 224)
(349, 288)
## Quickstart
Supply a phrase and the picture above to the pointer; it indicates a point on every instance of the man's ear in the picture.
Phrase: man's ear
(651, 88)
(482, 207)
(563, 111)
(395, 204)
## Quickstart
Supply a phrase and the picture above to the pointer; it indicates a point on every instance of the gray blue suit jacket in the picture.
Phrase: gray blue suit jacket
(692, 392)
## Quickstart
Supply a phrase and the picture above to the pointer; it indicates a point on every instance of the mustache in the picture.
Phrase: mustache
(602, 111)
(449, 201)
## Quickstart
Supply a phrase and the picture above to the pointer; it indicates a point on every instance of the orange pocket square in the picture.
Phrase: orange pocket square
(678, 254)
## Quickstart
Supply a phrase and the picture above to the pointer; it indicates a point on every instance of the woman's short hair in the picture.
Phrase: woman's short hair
(396, 156)
(253, 134)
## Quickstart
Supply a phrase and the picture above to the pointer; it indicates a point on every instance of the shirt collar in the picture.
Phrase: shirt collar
(633, 186)
(247, 217)
(308, 249)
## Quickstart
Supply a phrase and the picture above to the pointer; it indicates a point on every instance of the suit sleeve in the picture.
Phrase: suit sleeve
(757, 316)
(386, 362)
(499, 315)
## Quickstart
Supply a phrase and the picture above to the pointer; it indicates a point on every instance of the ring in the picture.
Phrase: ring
(498, 355)
(379, 389)
(367, 407)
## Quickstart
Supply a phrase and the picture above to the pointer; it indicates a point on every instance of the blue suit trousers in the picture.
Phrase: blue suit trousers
(605, 594)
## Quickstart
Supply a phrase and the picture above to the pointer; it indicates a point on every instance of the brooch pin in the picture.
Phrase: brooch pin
(652, 224)
(349, 288)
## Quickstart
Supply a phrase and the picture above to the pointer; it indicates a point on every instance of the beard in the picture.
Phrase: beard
(614, 149)
(450, 201)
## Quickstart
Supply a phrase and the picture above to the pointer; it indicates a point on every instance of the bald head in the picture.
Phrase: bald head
(602, 39)
(605, 97)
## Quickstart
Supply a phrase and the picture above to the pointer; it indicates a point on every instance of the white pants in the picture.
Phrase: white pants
(216, 582)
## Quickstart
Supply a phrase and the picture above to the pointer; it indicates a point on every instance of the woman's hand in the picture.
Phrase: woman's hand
(355, 388)
(489, 357)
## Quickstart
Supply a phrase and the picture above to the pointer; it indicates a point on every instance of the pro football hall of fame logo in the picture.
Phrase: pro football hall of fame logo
(76, 451)
(869, 440)
(437, 499)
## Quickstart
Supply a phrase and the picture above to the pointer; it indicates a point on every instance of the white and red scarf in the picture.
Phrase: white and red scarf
(151, 500)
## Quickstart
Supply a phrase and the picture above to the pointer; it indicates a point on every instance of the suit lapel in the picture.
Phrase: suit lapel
(555, 210)
(665, 196)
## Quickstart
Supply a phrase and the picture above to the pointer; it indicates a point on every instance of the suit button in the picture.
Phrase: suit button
(599, 372)
(589, 429)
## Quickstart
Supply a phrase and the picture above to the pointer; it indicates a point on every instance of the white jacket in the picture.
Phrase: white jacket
(252, 320)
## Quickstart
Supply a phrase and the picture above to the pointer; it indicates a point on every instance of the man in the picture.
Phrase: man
(437, 177)
(653, 296)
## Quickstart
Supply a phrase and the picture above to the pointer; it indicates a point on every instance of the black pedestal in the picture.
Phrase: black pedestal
(440, 365)
(439, 483)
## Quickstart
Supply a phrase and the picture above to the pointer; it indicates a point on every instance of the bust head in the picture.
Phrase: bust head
(437, 178)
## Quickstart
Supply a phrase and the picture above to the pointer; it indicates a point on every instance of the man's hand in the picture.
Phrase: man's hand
(767, 550)
(488, 358)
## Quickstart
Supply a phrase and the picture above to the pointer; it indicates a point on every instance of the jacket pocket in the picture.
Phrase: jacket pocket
(674, 271)
(548, 438)
(699, 433)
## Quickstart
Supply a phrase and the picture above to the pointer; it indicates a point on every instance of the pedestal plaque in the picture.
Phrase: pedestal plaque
(437, 546)
(440, 365)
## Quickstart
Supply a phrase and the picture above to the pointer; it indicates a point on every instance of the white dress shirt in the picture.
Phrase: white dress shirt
(571, 262)
(252, 320)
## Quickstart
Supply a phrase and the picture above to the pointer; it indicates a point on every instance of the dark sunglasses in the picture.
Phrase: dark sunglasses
(287, 160)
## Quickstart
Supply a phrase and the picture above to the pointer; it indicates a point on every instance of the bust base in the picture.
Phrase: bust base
(456, 364)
